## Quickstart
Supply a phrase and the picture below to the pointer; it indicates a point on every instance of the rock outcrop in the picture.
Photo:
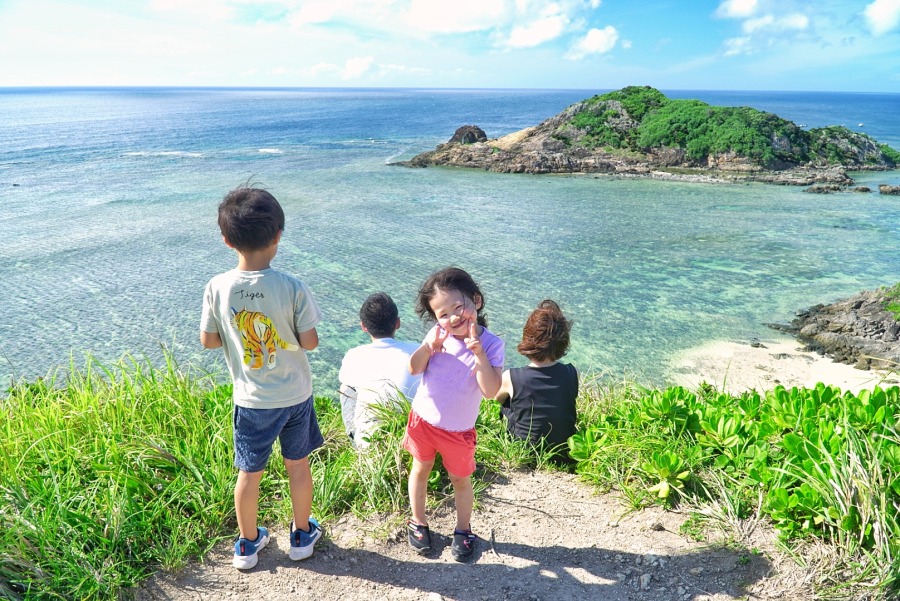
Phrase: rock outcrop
(637, 131)
(824, 188)
(858, 330)
(468, 134)
(886, 189)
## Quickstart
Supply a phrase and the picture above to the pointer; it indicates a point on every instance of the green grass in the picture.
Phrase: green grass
(815, 463)
(113, 472)
(98, 473)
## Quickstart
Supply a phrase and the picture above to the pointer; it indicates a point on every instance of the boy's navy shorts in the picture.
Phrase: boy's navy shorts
(255, 431)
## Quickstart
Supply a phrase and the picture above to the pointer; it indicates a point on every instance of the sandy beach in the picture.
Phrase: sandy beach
(737, 366)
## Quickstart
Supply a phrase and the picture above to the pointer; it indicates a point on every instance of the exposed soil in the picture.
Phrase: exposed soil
(543, 536)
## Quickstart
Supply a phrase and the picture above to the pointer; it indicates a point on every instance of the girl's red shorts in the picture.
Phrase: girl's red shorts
(457, 449)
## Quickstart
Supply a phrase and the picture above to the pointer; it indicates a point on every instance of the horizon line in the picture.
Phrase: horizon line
(420, 88)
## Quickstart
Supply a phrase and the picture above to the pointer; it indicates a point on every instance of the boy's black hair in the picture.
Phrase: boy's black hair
(250, 218)
(449, 278)
(379, 315)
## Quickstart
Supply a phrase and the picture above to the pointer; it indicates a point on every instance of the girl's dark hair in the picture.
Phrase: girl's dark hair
(545, 336)
(449, 278)
(250, 218)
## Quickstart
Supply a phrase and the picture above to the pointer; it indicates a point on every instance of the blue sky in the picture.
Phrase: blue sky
(827, 45)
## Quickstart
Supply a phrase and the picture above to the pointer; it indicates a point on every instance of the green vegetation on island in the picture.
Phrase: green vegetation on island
(114, 472)
(892, 300)
(639, 131)
(642, 119)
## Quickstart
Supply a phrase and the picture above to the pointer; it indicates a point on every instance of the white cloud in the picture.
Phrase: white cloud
(537, 32)
(795, 21)
(751, 25)
(736, 46)
(597, 41)
(766, 31)
(882, 16)
(736, 9)
(315, 11)
(355, 67)
(381, 14)
(205, 9)
(323, 69)
(770, 23)
(403, 69)
(456, 16)
(626, 44)
(513, 23)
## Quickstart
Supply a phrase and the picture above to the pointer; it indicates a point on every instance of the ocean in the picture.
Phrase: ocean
(108, 224)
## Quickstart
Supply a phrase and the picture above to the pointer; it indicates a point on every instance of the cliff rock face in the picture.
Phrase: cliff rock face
(638, 131)
(858, 330)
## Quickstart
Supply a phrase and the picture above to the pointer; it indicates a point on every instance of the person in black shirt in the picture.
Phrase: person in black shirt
(538, 401)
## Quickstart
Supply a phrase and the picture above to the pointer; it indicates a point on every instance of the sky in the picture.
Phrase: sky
(790, 45)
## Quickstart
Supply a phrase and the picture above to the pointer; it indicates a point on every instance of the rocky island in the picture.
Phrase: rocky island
(638, 131)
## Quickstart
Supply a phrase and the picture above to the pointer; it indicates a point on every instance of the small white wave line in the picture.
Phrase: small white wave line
(164, 153)
(399, 153)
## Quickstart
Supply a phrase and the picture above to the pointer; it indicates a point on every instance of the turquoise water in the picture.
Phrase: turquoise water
(108, 234)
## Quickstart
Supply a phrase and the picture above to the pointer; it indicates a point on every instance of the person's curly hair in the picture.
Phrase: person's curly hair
(545, 336)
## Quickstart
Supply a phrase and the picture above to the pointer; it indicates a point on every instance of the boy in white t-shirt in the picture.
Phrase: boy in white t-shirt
(265, 321)
(375, 373)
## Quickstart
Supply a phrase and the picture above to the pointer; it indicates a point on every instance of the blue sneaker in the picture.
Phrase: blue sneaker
(302, 543)
(245, 551)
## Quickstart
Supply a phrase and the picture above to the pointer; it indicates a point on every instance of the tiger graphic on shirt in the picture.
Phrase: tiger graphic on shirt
(256, 329)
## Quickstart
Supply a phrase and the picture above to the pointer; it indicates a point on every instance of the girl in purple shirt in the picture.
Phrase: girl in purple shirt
(461, 362)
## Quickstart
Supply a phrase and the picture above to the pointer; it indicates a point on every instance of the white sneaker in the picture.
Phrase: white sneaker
(302, 543)
(246, 551)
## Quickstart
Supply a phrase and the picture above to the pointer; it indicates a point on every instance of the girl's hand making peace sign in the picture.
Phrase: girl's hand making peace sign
(473, 342)
(435, 339)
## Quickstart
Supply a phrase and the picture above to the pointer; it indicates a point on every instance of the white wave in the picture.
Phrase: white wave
(397, 154)
(271, 151)
(164, 153)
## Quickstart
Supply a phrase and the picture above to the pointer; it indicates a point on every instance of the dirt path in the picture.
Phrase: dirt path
(544, 536)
